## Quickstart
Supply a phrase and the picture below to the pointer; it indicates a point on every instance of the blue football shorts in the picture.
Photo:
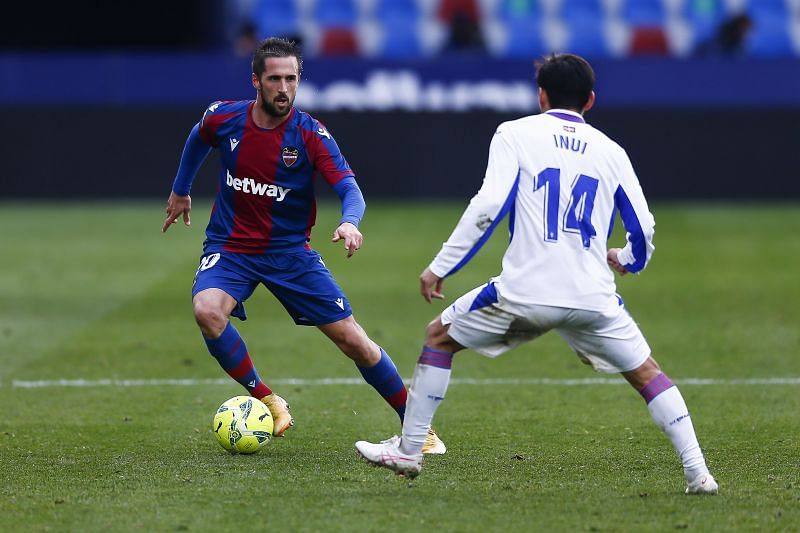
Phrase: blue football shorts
(299, 280)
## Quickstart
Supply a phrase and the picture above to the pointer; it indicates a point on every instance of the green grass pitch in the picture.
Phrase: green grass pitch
(95, 292)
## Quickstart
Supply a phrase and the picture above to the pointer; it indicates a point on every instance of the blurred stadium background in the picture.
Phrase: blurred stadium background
(97, 97)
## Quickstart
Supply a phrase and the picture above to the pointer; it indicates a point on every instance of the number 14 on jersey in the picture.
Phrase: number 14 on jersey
(577, 218)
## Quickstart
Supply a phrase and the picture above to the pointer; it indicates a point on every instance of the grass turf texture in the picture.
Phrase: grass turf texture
(94, 291)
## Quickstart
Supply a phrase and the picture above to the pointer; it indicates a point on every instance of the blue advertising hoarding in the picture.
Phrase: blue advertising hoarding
(452, 84)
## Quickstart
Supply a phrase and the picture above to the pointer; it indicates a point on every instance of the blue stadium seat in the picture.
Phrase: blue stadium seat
(396, 9)
(400, 39)
(276, 18)
(524, 38)
(591, 10)
(768, 8)
(335, 13)
(586, 38)
(584, 22)
(643, 12)
(770, 37)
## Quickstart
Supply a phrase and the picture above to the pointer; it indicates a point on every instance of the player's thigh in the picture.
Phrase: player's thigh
(227, 272)
(307, 290)
(610, 341)
(477, 321)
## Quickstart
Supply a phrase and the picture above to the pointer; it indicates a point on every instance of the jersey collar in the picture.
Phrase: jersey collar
(566, 114)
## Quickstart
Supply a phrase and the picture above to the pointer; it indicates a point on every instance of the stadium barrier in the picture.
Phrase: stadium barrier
(99, 152)
(452, 84)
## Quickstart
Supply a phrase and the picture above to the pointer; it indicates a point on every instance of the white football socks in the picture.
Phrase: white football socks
(426, 392)
(670, 413)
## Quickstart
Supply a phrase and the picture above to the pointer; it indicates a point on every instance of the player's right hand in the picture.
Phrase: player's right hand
(177, 206)
(614, 263)
(430, 285)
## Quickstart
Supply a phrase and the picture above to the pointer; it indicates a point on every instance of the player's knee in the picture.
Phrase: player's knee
(436, 337)
(210, 318)
(644, 374)
(357, 346)
(434, 328)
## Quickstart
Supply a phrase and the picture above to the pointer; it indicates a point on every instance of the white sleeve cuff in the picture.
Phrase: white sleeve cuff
(437, 269)
(625, 256)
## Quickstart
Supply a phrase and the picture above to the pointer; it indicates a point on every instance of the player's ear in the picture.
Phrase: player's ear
(589, 102)
(544, 101)
(254, 80)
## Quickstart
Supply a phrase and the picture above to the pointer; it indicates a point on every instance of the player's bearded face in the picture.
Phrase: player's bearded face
(278, 85)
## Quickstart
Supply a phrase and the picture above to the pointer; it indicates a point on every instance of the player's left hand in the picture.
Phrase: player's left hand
(351, 236)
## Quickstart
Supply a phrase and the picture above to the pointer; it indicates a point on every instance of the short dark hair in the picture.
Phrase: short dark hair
(567, 79)
(276, 47)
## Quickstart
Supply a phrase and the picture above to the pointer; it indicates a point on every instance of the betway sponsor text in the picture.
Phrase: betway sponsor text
(251, 186)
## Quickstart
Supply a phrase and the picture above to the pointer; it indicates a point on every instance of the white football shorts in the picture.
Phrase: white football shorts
(608, 340)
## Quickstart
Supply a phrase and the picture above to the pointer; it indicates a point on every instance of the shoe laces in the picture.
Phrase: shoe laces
(395, 441)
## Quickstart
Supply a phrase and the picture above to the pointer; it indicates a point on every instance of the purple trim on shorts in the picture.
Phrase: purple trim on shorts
(565, 116)
(657, 385)
(436, 358)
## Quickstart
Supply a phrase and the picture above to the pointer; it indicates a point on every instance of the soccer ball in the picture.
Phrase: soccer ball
(242, 425)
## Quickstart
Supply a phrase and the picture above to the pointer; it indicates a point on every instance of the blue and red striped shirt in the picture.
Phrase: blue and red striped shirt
(265, 200)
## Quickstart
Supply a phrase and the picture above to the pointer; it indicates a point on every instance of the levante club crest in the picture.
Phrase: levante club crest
(290, 154)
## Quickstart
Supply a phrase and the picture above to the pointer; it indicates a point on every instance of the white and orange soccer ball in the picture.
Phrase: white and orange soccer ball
(242, 425)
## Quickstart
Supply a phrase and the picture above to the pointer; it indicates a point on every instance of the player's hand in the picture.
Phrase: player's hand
(177, 206)
(351, 236)
(430, 285)
(614, 263)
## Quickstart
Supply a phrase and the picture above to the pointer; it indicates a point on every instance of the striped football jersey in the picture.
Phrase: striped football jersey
(265, 200)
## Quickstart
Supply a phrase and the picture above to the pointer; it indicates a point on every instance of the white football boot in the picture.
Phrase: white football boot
(281, 418)
(433, 445)
(387, 454)
(703, 484)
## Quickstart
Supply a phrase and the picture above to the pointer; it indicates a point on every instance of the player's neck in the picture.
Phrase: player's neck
(264, 120)
(545, 109)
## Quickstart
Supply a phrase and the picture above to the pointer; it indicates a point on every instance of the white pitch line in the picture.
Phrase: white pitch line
(43, 384)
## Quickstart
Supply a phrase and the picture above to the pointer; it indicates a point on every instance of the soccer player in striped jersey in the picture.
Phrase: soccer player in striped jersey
(260, 227)
(561, 183)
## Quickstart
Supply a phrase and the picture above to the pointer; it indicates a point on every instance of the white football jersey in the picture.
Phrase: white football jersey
(560, 181)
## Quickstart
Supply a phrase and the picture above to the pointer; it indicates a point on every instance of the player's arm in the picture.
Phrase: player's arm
(334, 169)
(179, 202)
(353, 207)
(486, 209)
(639, 225)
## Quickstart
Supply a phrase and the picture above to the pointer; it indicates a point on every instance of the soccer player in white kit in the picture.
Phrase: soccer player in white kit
(561, 182)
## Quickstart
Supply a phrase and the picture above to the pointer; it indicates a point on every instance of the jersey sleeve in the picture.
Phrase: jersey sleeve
(327, 158)
(210, 123)
(194, 153)
(353, 205)
(486, 209)
(637, 219)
